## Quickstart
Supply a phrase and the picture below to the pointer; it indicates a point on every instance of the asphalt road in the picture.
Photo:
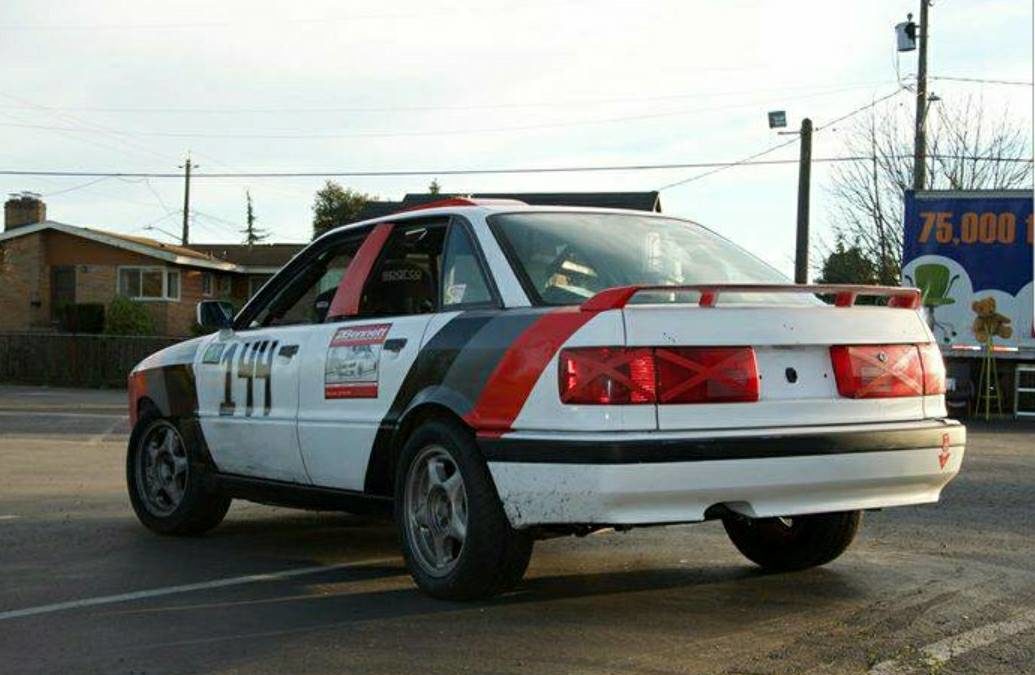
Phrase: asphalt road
(948, 588)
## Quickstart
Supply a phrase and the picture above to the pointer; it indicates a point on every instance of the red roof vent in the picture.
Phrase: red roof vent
(463, 201)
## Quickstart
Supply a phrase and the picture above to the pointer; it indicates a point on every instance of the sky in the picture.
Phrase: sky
(319, 86)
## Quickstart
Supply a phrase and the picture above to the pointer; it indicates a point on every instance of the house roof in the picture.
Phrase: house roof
(257, 257)
(638, 201)
(172, 253)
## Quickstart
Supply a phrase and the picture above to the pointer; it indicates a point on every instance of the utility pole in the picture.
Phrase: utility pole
(920, 136)
(186, 166)
(801, 248)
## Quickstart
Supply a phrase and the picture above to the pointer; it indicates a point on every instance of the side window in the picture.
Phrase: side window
(306, 298)
(463, 280)
(405, 279)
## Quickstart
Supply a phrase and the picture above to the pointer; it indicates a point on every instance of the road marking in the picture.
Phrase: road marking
(944, 650)
(186, 588)
(8, 517)
(101, 437)
(58, 413)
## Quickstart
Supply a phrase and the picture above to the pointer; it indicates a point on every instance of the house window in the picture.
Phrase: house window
(206, 283)
(225, 286)
(256, 282)
(149, 283)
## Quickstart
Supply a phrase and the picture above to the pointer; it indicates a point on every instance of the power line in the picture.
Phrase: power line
(750, 158)
(76, 187)
(979, 80)
(407, 133)
(279, 20)
(278, 110)
(468, 172)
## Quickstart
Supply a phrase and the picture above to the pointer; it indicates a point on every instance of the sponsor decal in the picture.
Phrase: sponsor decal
(454, 294)
(353, 361)
(944, 455)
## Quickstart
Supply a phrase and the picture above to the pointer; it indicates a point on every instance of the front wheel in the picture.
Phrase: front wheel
(167, 481)
(456, 539)
(796, 542)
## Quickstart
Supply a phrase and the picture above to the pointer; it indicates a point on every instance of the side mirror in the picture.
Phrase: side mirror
(215, 314)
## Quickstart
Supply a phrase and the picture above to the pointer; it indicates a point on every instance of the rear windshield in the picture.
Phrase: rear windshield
(564, 258)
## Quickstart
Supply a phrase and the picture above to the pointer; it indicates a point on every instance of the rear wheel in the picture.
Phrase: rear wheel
(456, 539)
(793, 543)
(167, 479)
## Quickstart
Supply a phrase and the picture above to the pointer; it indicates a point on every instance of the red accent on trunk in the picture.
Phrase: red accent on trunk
(350, 290)
(511, 382)
(364, 390)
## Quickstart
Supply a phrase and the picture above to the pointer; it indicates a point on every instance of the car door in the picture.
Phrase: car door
(356, 363)
(248, 378)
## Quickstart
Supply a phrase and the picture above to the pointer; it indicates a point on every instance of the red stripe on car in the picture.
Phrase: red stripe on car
(511, 382)
(350, 290)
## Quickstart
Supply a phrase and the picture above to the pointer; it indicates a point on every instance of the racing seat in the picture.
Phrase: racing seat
(398, 288)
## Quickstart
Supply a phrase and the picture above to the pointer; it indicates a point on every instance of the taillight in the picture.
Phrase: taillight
(706, 374)
(617, 375)
(607, 375)
(934, 368)
(877, 371)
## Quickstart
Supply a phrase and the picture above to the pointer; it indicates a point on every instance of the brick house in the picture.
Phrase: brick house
(45, 265)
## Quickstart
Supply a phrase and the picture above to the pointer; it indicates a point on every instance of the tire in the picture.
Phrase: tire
(491, 557)
(187, 505)
(795, 543)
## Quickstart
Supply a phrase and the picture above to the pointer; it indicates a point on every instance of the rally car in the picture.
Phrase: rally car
(496, 373)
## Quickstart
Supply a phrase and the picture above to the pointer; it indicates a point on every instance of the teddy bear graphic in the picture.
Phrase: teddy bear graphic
(988, 323)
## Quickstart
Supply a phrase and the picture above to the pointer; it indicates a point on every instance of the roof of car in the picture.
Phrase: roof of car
(482, 207)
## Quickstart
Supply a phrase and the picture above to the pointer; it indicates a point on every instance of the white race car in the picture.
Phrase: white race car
(496, 373)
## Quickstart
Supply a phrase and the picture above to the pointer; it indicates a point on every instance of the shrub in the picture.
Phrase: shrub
(126, 317)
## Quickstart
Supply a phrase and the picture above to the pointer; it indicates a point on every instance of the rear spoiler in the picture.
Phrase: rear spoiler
(844, 294)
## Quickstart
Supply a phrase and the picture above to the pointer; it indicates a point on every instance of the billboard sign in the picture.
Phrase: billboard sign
(960, 247)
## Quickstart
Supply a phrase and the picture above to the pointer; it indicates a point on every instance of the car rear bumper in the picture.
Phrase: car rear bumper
(646, 478)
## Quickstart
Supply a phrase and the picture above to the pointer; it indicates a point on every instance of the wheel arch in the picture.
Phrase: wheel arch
(380, 479)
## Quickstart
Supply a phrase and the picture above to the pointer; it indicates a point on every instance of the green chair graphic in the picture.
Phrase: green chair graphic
(934, 282)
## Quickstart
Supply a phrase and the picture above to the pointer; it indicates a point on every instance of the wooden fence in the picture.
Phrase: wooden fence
(64, 360)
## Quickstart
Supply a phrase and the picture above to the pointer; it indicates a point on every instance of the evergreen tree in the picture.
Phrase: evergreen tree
(252, 234)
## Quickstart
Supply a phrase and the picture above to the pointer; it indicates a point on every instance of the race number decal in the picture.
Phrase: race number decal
(254, 362)
(353, 360)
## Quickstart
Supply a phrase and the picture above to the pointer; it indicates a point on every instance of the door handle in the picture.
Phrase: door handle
(395, 344)
(288, 351)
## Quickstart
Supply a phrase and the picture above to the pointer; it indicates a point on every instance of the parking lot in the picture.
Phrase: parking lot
(946, 588)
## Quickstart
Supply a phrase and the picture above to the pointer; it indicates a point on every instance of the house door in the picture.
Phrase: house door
(62, 289)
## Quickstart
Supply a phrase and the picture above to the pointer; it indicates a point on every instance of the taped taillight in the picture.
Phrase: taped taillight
(607, 375)
(706, 374)
(878, 371)
(934, 368)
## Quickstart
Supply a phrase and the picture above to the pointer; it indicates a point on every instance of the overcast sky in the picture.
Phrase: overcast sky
(433, 85)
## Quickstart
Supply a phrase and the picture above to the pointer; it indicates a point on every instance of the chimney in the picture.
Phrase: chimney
(24, 208)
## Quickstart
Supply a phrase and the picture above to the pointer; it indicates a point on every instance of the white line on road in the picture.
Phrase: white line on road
(101, 437)
(944, 650)
(8, 517)
(59, 413)
(186, 588)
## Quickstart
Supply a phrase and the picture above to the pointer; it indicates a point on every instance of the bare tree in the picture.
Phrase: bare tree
(965, 151)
